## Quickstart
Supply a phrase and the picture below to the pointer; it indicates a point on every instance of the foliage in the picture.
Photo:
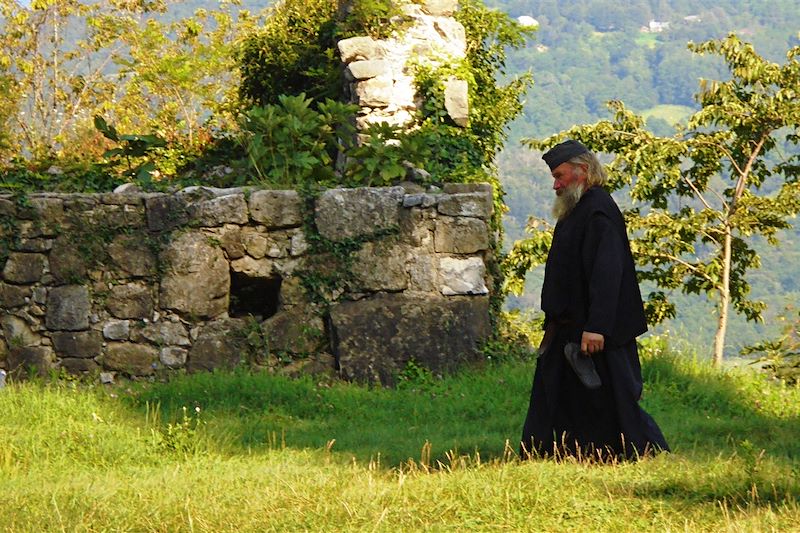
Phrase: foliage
(131, 148)
(781, 357)
(701, 188)
(516, 337)
(290, 143)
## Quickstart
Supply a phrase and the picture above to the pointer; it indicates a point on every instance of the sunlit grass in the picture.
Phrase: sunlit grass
(266, 453)
(673, 114)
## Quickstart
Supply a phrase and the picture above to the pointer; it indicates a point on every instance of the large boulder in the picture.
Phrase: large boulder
(132, 359)
(24, 267)
(220, 344)
(197, 279)
(68, 308)
(377, 337)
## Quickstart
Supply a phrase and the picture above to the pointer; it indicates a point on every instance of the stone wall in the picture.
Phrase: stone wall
(355, 281)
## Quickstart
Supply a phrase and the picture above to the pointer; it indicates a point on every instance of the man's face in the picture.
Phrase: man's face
(566, 175)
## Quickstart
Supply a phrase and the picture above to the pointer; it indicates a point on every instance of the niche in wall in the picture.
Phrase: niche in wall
(257, 296)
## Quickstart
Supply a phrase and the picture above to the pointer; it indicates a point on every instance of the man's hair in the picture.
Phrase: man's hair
(595, 173)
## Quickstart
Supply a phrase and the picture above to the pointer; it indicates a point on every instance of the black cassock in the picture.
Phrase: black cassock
(590, 285)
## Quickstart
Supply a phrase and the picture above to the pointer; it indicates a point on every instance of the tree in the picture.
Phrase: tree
(698, 198)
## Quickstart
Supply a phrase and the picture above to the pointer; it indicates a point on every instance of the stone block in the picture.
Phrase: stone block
(231, 242)
(346, 213)
(68, 308)
(440, 8)
(129, 358)
(472, 204)
(79, 366)
(173, 356)
(381, 266)
(24, 267)
(217, 346)
(133, 255)
(78, 344)
(363, 70)
(165, 212)
(166, 333)
(296, 331)
(276, 209)
(460, 235)
(196, 280)
(462, 276)
(18, 332)
(117, 330)
(130, 300)
(360, 48)
(21, 359)
(375, 92)
(377, 337)
(66, 264)
(456, 101)
(13, 295)
(230, 209)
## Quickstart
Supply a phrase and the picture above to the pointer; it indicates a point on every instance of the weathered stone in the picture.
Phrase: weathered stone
(218, 211)
(276, 209)
(292, 293)
(18, 332)
(362, 70)
(34, 245)
(462, 276)
(375, 92)
(440, 8)
(456, 101)
(132, 254)
(197, 278)
(417, 227)
(66, 265)
(79, 366)
(460, 235)
(422, 272)
(165, 213)
(379, 336)
(345, 213)
(474, 204)
(7, 208)
(22, 359)
(117, 330)
(40, 295)
(296, 331)
(172, 356)
(68, 308)
(381, 266)
(106, 378)
(24, 267)
(298, 245)
(132, 359)
(130, 300)
(166, 333)
(80, 344)
(360, 48)
(254, 268)
(231, 242)
(218, 346)
(13, 295)
(46, 212)
(255, 244)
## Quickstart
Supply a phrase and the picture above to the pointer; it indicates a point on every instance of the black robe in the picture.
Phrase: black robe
(590, 285)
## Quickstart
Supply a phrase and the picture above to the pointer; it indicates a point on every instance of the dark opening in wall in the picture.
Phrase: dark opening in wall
(254, 295)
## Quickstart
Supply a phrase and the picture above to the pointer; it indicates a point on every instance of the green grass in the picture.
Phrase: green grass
(266, 453)
(673, 114)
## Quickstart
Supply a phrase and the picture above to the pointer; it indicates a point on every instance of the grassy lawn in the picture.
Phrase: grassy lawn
(254, 452)
(673, 114)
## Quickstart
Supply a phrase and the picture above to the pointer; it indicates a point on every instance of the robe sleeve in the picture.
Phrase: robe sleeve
(603, 253)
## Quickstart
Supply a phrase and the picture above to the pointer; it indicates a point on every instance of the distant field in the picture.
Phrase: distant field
(650, 40)
(256, 452)
(671, 113)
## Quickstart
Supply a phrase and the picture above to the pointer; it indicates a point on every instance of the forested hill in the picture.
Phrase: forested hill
(587, 53)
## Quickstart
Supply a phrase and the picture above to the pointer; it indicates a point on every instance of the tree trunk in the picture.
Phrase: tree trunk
(724, 300)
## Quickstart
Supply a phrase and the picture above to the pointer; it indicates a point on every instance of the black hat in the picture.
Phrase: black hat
(563, 152)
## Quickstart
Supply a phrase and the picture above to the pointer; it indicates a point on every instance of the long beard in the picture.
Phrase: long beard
(566, 202)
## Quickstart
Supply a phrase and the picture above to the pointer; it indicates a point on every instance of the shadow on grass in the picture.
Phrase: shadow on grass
(701, 412)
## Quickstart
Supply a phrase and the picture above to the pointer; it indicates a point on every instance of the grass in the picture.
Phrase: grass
(265, 453)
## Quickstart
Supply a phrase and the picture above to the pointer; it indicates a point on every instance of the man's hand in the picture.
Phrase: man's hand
(592, 342)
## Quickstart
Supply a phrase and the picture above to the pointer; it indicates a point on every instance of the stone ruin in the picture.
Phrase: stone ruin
(145, 284)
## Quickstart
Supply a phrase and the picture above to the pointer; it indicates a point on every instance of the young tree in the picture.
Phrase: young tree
(698, 196)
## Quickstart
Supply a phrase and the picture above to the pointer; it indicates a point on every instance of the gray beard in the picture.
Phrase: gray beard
(564, 204)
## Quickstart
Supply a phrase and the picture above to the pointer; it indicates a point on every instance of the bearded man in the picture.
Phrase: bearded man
(588, 380)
